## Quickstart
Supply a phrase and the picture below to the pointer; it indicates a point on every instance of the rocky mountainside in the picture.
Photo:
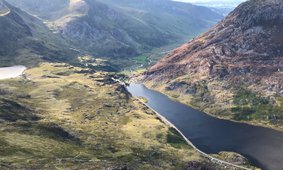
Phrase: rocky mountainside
(121, 28)
(24, 39)
(235, 70)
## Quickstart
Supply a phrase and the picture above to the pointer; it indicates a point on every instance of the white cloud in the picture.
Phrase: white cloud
(215, 3)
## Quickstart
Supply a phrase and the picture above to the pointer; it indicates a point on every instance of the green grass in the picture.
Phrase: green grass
(142, 59)
(175, 139)
(252, 106)
(245, 97)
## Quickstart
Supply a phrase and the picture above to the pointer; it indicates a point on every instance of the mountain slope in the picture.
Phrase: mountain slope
(24, 39)
(235, 69)
(122, 28)
(179, 19)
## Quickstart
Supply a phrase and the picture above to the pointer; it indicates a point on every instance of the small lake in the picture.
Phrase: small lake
(262, 146)
(11, 72)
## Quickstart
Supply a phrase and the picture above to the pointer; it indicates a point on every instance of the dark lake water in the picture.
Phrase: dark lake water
(262, 146)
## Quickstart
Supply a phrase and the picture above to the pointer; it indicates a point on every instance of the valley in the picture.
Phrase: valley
(105, 84)
(89, 25)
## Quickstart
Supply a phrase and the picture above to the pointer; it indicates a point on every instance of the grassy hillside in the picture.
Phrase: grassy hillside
(182, 20)
(60, 116)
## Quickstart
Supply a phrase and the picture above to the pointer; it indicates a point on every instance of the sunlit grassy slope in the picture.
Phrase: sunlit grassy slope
(60, 116)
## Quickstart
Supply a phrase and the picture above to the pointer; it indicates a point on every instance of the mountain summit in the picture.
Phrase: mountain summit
(244, 51)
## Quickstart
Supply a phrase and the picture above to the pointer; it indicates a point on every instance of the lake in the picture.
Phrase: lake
(11, 72)
(262, 146)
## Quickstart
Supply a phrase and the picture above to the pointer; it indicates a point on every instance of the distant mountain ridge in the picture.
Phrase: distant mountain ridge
(216, 3)
(241, 53)
(121, 28)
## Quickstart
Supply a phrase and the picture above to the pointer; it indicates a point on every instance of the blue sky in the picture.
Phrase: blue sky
(215, 3)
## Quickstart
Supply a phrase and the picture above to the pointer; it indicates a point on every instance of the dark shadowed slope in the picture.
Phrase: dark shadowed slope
(24, 39)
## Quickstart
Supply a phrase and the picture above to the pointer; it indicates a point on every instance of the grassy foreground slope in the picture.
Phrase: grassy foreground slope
(60, 116)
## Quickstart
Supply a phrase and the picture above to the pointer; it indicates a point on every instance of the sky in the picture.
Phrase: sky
(215, 3)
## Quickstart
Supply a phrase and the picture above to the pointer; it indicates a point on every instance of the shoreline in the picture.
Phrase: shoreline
(168, 123)
(257, 124)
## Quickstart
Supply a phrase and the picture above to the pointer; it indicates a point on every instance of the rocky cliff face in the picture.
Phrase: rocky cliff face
(245, 50)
